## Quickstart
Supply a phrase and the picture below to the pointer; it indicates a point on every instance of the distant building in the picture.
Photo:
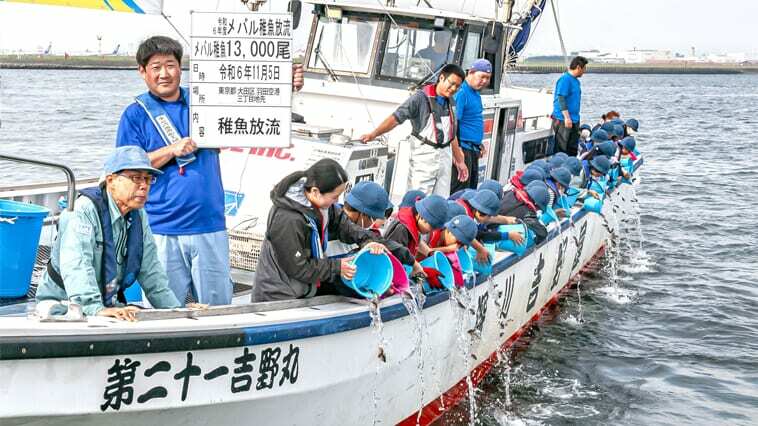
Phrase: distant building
(635, 56)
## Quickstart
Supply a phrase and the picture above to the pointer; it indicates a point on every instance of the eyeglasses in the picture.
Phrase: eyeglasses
(453, 86)
(139, 179)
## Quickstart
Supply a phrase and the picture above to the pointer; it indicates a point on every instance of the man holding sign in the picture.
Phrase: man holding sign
(186, 204)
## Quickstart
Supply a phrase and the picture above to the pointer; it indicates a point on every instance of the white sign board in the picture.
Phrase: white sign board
(241, 79)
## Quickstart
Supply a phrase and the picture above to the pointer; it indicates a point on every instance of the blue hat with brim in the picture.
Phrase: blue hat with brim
(129, 158)
(463, 228)
(561, 175)
(607, 148)
(493, 186)
(618, 130)
(454, 209)
(601, 163)
(555, 162)
(481, 65)
(607, 126)
(532, 174)
(585, 126)
(599, 136)
(629, 143)
(468, 194)
(537, 191)
(369, 198)
(573, 165)
(433, 209)
(541, 163)
(633, 124)
(410, 198)
(485, 201)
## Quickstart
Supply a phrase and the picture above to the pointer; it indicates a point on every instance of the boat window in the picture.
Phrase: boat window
(413, 53)
(343, 45)
(471, 50)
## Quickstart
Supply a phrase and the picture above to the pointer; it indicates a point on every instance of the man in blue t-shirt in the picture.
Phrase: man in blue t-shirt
(567, 101)
(186, 204)
(468, 112)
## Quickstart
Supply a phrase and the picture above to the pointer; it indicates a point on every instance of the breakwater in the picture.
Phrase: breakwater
(668, 68)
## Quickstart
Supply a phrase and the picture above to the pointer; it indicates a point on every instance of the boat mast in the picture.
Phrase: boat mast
(560, 36)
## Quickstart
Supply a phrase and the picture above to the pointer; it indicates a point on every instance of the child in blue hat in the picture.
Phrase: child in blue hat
(459, 232)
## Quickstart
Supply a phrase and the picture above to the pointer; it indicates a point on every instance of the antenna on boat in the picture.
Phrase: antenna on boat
(560, 36)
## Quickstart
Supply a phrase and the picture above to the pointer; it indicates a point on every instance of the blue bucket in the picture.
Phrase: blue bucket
(508, 245)
(628, 166)
(483, 269)
(20, 227)
(373, 275)
(549, 216)
(467, 263)
(569, 198)
(133, 293)
(592, 204)
(439, 262)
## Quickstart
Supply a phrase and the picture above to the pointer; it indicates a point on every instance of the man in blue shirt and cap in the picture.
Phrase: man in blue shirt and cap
(105, 245)
(567, 101)
(469, 110)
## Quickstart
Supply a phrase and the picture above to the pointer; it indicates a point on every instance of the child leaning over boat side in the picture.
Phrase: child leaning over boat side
(411, 222)
(292, 262)
(459, 232)
(482, 206)
(524, 204)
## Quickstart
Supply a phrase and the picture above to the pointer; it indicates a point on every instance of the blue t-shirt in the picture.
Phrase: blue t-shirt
(469, 114)
(569, 87)
(187, 204)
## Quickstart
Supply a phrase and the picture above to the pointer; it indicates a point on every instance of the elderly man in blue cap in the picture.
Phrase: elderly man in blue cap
(105, 245)
(468, 102)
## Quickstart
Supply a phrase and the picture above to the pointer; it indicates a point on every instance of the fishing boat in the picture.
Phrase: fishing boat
(330, 359)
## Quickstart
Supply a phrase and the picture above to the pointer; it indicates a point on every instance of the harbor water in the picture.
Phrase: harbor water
(674, 340)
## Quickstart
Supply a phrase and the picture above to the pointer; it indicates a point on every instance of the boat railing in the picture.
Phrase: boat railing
(70, 179)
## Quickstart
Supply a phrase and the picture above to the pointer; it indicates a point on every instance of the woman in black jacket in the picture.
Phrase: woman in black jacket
(292, 263)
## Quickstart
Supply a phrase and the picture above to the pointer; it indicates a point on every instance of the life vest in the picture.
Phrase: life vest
(407, 218)
(163, 124)
(110, 289)
(467, 206)
(433, 134)
(516, 179)
(435, 238)
(523, 197)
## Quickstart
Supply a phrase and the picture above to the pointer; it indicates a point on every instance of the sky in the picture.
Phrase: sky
(608, 25)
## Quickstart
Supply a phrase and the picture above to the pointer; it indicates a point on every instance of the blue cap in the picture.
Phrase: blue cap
(537, 191)
(585, 126)
(369, 198)
(617, 121)
(454, 209)
(600, 135)
(485, 201)
(607, 148)
(410, 198)
(633, 124)
(433, 209)
(532, 174)
(562, 155)
(555, 162)
(468, 194)
(541, 163)
(629, 143)
(463, 228)
(618, 130)
(493, 186)
(573, 165)
(129, 157)
(482, 65)
(561, 175)
(601, 163)
(607, 126)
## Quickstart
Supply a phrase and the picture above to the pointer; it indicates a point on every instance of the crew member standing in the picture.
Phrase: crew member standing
(567, 101)
(468, 104)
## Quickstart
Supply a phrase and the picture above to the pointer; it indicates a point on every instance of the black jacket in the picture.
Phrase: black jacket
(511, 206)
(286, 269)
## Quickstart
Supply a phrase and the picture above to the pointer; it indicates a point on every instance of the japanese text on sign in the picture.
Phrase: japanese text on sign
(241, 78)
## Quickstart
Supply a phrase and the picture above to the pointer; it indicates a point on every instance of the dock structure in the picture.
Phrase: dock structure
(668, 68)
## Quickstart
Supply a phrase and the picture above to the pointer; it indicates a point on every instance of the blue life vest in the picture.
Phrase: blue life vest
(628, 166)
(110, 289)
(163, 124)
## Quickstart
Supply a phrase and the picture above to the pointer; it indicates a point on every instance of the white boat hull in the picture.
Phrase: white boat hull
(46, 376)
